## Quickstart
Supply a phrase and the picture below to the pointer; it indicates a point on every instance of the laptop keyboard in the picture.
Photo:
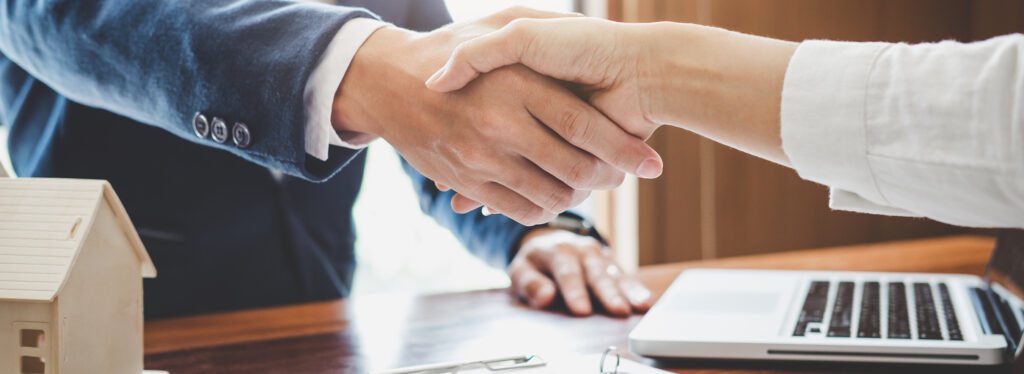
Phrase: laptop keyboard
(870, 320)
(927, 319)
(899, 321)
(952, 325)
(842, 311)
(814, 308)
(919, 319)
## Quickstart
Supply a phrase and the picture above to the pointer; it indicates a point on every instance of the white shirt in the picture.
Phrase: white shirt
(928, 130)
(324, 81)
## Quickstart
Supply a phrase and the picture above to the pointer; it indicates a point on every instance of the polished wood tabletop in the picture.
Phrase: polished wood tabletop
(386, 331)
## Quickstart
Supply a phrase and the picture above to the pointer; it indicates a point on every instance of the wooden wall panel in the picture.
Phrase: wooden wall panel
(714, 201)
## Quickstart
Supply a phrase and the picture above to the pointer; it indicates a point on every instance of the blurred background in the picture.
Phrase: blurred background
(712, 201)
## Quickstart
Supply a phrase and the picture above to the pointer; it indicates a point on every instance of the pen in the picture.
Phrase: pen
(495, 364)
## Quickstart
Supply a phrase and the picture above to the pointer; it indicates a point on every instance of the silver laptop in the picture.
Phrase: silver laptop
(843, 316)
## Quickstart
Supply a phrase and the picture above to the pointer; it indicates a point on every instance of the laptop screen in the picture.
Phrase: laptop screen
(1005, 277)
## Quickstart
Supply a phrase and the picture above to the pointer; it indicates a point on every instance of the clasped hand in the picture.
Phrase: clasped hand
(518, 142)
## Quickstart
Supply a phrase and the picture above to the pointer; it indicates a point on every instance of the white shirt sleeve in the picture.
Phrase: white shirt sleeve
(323, 83)
(931, 130)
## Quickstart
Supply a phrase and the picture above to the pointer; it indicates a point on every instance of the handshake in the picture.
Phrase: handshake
(525, 112)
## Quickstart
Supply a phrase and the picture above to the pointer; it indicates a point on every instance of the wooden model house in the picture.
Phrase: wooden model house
(71, 268)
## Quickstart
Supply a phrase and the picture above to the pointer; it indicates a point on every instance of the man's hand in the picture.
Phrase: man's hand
(552, 262)
(514, 140)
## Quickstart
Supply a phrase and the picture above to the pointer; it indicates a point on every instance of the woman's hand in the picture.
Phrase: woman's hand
(721, 84)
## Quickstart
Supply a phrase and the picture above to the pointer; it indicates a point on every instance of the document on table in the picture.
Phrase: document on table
(587, 364)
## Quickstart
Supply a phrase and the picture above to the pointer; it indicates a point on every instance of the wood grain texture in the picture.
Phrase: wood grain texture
(371, 333)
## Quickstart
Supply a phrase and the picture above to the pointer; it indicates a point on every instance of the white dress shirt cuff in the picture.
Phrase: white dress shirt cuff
(823, 122)
(323, 83)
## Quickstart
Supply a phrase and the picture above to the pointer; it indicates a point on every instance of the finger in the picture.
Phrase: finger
(530, 284)
(602, 277)
(533, 183)
(587, 128)
(543, 189)
(509, 203)
(441, 187)
(564, 267)
(482, 54)
(461, 203)
(516, 12)
(572, 166)
(638, 295)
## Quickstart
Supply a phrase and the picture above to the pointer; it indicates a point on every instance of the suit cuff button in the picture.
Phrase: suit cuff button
(219, 131)
(201, 125)
(241, 136)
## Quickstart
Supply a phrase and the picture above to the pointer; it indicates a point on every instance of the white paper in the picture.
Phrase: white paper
(578, 365)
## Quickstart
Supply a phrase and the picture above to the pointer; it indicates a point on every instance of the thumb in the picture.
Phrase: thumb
(493, 50)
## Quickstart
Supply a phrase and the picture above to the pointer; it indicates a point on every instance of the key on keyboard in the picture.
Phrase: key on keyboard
(899, 324)
(814, 307)
(870, 322)
(952, 324)
(927, 319)
(989, 314)
(842, 311)
(1008, 317)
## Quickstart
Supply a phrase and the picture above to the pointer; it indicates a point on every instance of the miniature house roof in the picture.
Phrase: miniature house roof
(43, 225)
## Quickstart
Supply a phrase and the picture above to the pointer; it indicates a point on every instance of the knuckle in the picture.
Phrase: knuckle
(497, 128)
(519, 25)
(616, 179)
(526, 214)
(516, 10)
(561, 198)
(575, 127)
(578, 196)
(536, 216)
(509, 14)
(606, 176)
(470, 155)
(581, 173)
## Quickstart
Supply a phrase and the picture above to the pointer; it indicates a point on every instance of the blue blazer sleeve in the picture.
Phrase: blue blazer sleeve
(160, 62)
(493, 238)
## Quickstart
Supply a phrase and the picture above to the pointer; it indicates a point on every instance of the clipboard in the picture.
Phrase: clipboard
(609, 362)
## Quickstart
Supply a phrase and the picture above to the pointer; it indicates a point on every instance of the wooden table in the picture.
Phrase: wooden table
(373, 333)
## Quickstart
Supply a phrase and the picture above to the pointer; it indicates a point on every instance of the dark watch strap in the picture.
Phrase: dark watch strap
(575, 223)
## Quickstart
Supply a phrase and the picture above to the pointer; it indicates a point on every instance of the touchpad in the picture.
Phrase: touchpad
(726, 302)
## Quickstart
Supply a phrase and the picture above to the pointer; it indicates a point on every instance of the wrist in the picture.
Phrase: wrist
(655, 68)
(353, 110)
(724, 85)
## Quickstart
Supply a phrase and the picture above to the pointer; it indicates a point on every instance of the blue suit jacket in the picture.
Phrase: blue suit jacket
(108, 88)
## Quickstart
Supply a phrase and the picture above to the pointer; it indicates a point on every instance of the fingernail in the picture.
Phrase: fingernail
(650, 168)
(486, 211)
(640, 295)
(543, 293)
(616, 302)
